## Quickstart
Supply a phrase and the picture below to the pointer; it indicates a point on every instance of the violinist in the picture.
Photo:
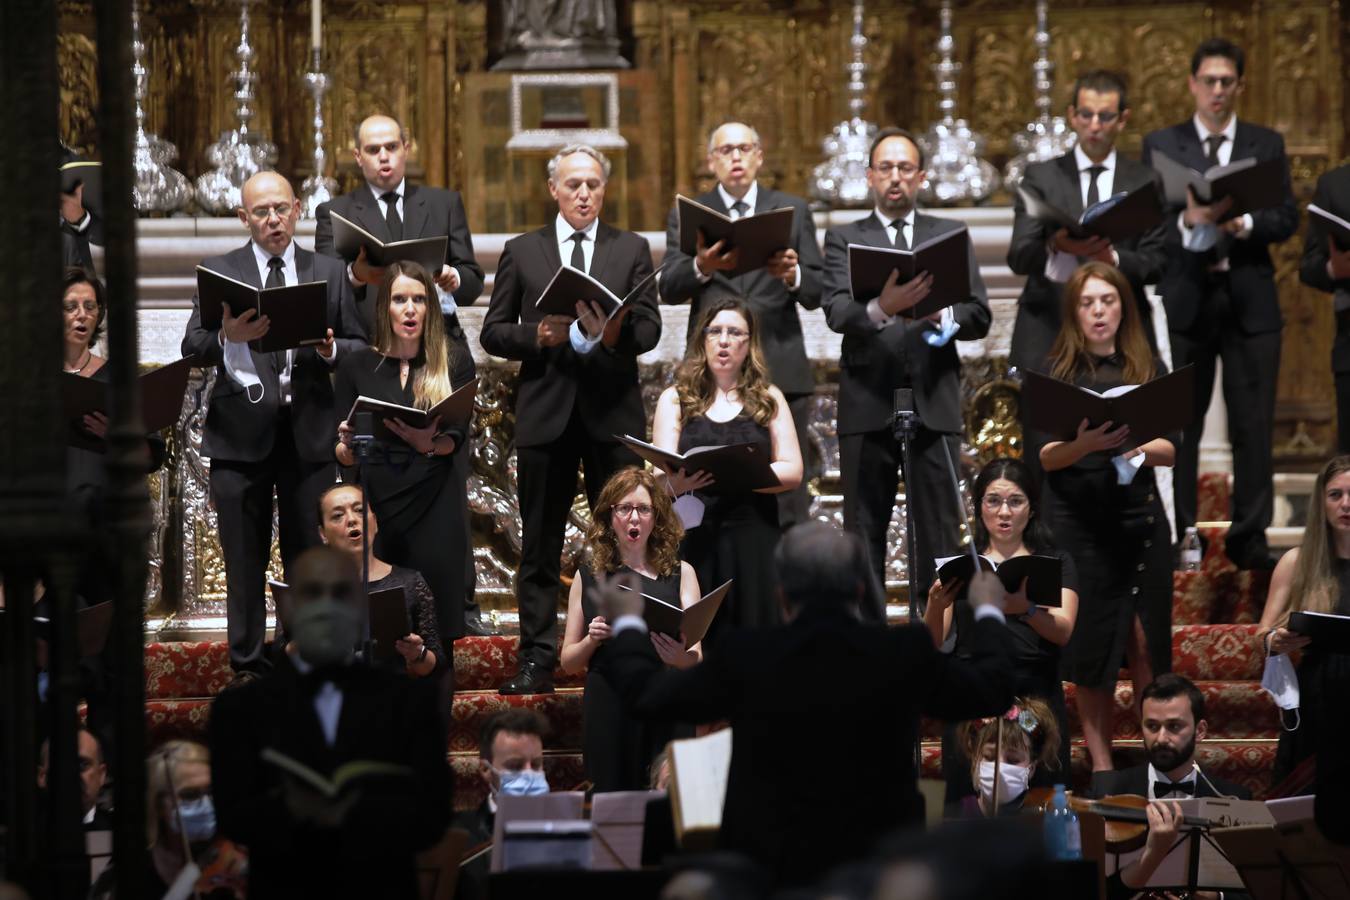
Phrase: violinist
(1026, 741)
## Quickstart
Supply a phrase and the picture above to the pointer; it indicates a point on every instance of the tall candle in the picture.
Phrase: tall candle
(315, 23)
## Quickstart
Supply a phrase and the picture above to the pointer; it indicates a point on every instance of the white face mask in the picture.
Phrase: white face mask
(1013, 781)
(1280, 681)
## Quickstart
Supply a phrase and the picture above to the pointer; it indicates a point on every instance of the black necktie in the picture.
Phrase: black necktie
(391, 219)
(901, 242)
(740, 208)
(275, 277)
(1093, 195)
(1212, 145)
(1163, 788)
(578, 257)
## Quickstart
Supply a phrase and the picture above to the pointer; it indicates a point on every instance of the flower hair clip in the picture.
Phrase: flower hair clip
(1025, 719)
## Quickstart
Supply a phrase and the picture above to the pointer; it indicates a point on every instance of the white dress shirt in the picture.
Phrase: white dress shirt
(1203, 237)
(751, 199)
(1058, 264)
(580, 342)
(874, 310)
(1154, 775)
(238, 359)
(327, 701)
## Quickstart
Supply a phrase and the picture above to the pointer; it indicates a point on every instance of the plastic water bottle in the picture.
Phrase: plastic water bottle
(1190, 551)
(1063, 840)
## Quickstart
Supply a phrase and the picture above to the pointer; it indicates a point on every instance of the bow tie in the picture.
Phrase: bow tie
(1163, 788)
(339, 676)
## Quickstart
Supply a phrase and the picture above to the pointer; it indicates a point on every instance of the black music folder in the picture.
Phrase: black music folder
(734, 467)
(692, 622)
(945, 257)
(569, 285)
(757, 236)
(298, 312)
(1252, 185)
(85, 172)
(1117, 218)
(389, 622)
(349, 238)
(1330, 633)
(161, 401)
(1160, 407)
(1338, 228)
(454, 410)
(1044, 574)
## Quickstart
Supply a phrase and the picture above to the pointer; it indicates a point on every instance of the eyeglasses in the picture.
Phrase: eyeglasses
(993, 502)
(624, 510)
(906, 169)
(736, 335)
(728, 149)
(1086, 115)
(263, 213)
(1213, 81)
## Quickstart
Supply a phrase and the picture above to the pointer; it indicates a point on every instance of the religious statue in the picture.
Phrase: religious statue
(559, 34)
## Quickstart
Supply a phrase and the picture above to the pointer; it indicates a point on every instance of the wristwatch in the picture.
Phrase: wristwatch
(421, 655)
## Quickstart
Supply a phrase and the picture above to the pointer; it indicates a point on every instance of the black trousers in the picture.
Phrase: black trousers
(242, 495)
(1251, 367)
(869, 464)
(794, 506)
(547, 482)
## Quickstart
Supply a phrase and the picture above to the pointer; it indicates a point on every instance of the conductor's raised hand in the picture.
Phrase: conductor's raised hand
(364, 272)
(1103, 437)
(242, 329)
(896, 298)
(552, 330)
(423, 440)
(713, 259)
(618, 595)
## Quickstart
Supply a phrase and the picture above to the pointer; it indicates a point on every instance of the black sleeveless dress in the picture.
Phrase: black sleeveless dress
(618, 749)
(739, 532)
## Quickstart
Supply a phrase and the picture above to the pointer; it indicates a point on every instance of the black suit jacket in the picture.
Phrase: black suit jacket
(1135, 781)
(874, 362)
(427, 212)
(775, 307)
(1251, 285)
(1142, 258)
(384, 717)
(867, 685)
(602, 384)
(1332, 195)
(240, 431)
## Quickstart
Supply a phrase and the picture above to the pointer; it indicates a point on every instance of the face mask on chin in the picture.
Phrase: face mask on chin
(521, 782)
(1013, 781)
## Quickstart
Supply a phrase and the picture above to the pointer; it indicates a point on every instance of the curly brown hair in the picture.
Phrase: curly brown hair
(1041, 743)
(1069, 357)
(663, 546)
(694, 384)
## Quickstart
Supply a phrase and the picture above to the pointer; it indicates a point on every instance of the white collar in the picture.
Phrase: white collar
(1155, 775)
(1081, 158)
(750, 198)
(264, 258)
(1229, 131)
(887, 221)
(565, 231)
(379, 194)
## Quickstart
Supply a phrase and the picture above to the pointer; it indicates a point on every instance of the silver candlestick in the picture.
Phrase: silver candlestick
(240, 153)
(956, 173)
(318, 188)
(1047, 137)
(841, 180)
(156, 186)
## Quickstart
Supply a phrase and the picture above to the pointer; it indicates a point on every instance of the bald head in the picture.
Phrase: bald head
(269, 211)
(734, 156)
(381, 152)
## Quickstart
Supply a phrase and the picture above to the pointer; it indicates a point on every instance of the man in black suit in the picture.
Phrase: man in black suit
(1172, 718)
(883, 351)
(93, 773)
(792, 277)
(1326, 266)
(1091, 172)
(870, 684)
(323, 710)
(270, 423)
(578, 383)
(1220, 297)
(391, 209)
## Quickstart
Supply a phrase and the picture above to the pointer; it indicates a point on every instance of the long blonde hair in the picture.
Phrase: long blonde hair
(431, 376)
(1315, 588)
(1069, 357)
(694, 384)
(663, 545)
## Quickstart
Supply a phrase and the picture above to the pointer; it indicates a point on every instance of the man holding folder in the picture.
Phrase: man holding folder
(269, 425)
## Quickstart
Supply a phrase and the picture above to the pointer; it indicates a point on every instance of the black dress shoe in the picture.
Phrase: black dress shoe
(476, 627)
(531, 679)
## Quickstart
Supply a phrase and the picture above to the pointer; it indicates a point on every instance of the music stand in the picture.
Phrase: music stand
(1293, 861)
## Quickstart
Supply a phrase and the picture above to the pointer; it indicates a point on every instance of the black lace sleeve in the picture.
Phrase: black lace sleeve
(422, 608)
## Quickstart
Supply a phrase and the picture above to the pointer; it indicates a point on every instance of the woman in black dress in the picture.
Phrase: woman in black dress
(340, 518)
(1117, 533)
(1010, 522)
(409, 480)
(633, 529)
(722, 395)
(1314, 577)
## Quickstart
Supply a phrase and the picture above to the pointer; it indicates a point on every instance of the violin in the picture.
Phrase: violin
(1125, 814)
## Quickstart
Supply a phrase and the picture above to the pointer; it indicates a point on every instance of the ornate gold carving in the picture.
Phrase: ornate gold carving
(76, 65)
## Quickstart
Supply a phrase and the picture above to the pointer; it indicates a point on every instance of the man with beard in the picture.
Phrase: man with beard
(1172, 720)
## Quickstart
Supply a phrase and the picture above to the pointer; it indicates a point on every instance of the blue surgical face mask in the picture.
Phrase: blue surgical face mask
(199, 819)
(521, 782)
